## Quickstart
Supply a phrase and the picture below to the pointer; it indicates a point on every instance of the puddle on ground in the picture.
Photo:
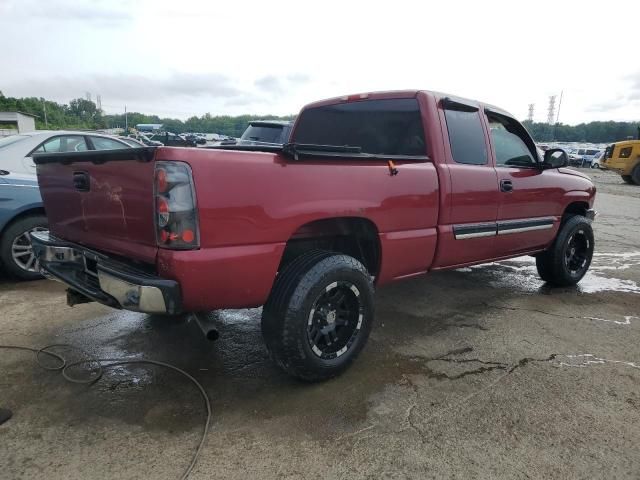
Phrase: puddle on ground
(520, 273)
(583, 360)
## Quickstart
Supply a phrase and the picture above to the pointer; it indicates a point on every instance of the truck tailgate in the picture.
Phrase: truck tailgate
(101, 199)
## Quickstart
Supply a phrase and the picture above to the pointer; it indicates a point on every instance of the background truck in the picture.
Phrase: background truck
(372, 188)
(624, 158)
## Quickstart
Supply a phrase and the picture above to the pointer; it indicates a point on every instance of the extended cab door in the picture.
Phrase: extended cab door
(527, 212)
(468, 219)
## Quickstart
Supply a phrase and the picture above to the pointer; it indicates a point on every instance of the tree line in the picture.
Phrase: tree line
(82, 114)
(592, 132)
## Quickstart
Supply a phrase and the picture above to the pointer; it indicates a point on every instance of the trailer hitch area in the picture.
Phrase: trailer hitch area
(76, 298)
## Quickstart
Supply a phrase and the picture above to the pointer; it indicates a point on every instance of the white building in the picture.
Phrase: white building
(24, 122)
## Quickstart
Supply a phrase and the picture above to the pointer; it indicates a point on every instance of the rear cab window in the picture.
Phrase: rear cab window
(390, 127)
(263, 133)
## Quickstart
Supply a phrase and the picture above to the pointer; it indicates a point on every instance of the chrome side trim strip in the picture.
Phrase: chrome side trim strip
(462, 236)
(524, 229)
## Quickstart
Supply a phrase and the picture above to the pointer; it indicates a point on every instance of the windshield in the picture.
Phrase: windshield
(263, 133)
(6, 141)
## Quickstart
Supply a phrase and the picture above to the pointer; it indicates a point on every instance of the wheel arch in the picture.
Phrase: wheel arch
(22, 213)
(351, 235)
(576, 207)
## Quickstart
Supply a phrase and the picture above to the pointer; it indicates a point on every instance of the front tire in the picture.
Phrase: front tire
(16, 251)
(319, 315)
(569, 257)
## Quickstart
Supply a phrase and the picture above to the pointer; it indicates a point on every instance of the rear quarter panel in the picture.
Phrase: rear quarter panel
(251, 203)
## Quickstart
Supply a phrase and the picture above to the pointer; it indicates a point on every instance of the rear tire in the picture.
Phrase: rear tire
(319, 315)
(569, 257)
(627, 179)
(635, 174)
(16, 251)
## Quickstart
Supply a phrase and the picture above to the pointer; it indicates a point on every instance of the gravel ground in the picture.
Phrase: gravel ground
(482, 372)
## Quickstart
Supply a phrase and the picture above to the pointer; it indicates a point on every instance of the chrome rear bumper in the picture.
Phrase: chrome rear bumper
(104, 279)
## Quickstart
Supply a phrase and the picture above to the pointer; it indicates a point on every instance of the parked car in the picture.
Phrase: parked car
(266, 132)
(21, 212)
(197, 139)
(142, 140)
(596, 161)
(582, 157)
(370, 189)
(172, 140)
(132, 142)
(624, 158)
(16, 151)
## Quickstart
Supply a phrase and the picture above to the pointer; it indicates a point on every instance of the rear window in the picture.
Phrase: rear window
(263, 133)
(382, 127)
(6, 141)
(625, 152)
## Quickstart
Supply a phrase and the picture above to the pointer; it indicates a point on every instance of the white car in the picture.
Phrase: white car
(16, 151)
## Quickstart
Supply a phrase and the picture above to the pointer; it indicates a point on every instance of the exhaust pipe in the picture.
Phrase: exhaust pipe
(207, 325)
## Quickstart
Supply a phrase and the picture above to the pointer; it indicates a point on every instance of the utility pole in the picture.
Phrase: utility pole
(552, 109)
(44, 109)
(126, 122)
(532, 106)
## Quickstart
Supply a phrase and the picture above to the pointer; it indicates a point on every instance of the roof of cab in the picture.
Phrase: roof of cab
(390, 94)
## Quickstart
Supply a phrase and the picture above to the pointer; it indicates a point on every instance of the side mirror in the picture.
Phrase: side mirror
(555, 158)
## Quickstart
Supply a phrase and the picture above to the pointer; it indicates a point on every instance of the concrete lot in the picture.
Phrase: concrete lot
(478, 373)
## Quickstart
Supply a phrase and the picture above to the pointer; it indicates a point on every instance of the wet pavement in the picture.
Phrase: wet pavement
(482, 372)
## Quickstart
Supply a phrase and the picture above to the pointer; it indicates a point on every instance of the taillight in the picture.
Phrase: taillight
(175, 201)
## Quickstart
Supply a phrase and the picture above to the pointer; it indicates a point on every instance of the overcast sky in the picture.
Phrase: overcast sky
(184, 58)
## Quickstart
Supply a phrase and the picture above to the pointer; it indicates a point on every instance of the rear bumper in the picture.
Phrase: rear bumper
(104, 279)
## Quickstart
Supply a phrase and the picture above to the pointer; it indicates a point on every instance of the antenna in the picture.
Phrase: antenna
(532, 106)
(552, 109)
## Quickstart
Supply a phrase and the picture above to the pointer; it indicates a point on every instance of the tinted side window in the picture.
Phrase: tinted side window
(466, 137)
(72, 143)
(384, 127)
(263, 133)
(625, 152)
(510, 142)
(101, 143)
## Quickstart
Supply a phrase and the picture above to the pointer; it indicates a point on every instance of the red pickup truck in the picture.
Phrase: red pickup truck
(372, 188)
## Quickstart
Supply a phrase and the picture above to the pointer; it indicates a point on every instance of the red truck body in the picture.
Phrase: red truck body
(251, 205)
(371, 188)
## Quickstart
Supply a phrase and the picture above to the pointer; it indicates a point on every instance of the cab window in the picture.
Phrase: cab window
(466, 136)
(512, 144)
(63, 144)
(102, 143)
(625, 152)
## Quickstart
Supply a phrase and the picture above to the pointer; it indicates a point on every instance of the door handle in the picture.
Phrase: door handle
(81, 181)
(506, 186)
